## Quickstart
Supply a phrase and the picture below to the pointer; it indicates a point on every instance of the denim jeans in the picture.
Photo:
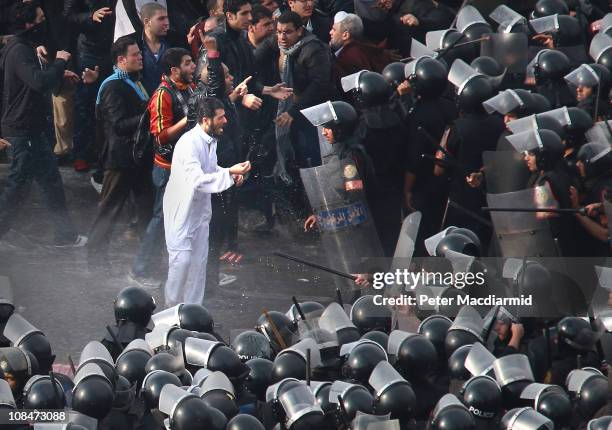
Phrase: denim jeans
(85, 108)
(152, 241)
(31, 158)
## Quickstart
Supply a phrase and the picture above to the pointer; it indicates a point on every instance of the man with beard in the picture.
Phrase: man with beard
(168, 112)
(26, 89)
(194, 176)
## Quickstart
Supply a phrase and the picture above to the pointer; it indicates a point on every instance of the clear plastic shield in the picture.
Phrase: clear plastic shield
(297, 402)
(461, 263)
(599, 45)
(334, 318)
(200, 376)
(158, 337)
(503, 103)
(535, 390)
(311, 329)
(505, 171)
(435, 39)
(320, 114)
(94, 350)
(530, 72)
(526, 140)
(529, 419)
(460, 74)
(273, 390)
(383, 376)
(545, 24)
(512, 368)
(170, 397)
(524, 234)
(468, 16)
(82, 420)
(217, 381)
(316, 386)
(479, 360)
(351, 82)
(87, 371)
(340, 388)
(508, 49)
(301, 348)
(198, 351)
(431, 243)
(168, 316)
(396, 338)
(468, 319)
(348, 234)
(583, 76)
(522, 125)
(417, 50)
(606, 23)
(600, 132)
(406, 242)
(502, 14)
(17, 328)
(446, 401)
(137, 345)
(374, 422)
(410, 68)
(6, 395)
(577, 377)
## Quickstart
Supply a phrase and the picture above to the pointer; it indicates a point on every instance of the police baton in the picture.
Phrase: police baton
(581, 211)
(315, 265)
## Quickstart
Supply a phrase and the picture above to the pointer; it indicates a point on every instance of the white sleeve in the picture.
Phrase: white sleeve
(202, 182)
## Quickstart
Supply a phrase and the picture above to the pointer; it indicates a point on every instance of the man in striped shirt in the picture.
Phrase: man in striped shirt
(168, 112)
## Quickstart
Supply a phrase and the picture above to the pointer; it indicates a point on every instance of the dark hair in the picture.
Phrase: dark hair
(120, 47)
(260, 12)
(23, 13)
(211, 5)
(233, 6)
(207, 107)
(173, 57)
(290, 17)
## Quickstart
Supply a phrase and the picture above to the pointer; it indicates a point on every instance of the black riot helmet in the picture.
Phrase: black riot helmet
(321, 390)
(394, 74)
(363, 356)
(214, 356)
(466, 330)
(24, 335)
(580, 123)
(178, 336)
(589, 390)
(377, 336)
(569, 30)
(95, 352)
(456, 363)
(601, 50)
(476, 91)
(458, 242)
(310, 309)
(369, 88)
(545, 144)
(539, 103)
(343, 124)
(132, 361)
(415, 356)
(252, 344)
(449, 42)
(427, 77)
(577, 333)
(451, 414)
(482, 396)
(490, 67)
(283, 325)
(41, 393)
(596, 158)
(393, 394)
(217, 392)
(550, 65)
(186, 411)
(292, 362)
(135, 305)
(244, 422)
(356, 398)
(525, 418)
(551, 401)
(301, 409)
(191, 317)
(125, 392)
(549, 7)
(471, 23)
(93, 392)
(165, 361)
(20, 365)
(260, 376)
(152, 385)
(434, 328)
(513, 373)
(367, 316)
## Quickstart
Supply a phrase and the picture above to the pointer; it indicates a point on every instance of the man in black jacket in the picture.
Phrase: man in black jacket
(120, 104)
(305, 65)
(314, 21)
(26, 94)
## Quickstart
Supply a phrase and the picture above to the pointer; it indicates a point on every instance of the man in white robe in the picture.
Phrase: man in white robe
(187, 210)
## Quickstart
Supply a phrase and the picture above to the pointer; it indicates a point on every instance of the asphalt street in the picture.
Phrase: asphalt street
(72, 303)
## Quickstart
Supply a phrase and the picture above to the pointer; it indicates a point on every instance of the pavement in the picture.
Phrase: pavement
(72, 303)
